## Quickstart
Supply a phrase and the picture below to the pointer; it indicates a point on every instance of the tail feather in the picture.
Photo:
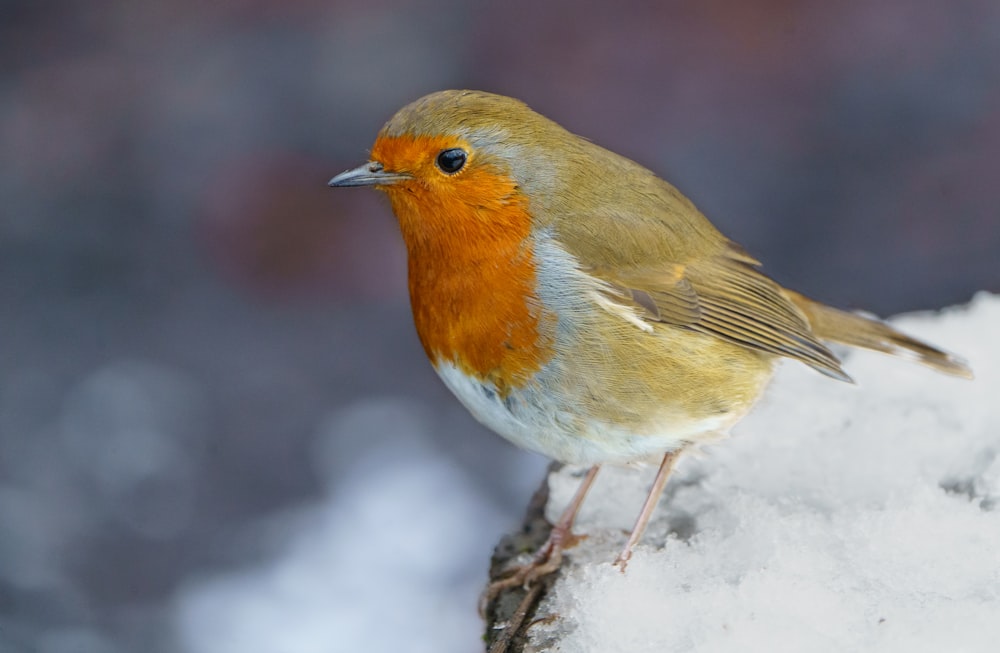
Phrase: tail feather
(832, 324)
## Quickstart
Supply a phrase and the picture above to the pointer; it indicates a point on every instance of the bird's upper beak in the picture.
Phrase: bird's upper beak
(372, 173)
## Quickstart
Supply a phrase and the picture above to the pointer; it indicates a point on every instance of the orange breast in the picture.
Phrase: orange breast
(471, 267)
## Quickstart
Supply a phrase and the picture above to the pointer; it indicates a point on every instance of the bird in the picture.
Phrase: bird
(582, 307)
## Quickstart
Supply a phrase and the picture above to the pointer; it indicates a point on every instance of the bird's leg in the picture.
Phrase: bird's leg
(549, 556)
(666, 466)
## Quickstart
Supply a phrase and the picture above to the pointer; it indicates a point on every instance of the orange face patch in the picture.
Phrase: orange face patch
(472, 271)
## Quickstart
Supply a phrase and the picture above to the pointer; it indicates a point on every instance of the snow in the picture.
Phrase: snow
(837, 518)
(387, 562)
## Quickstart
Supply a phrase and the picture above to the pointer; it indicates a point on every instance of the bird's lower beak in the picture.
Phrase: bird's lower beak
(369, 174)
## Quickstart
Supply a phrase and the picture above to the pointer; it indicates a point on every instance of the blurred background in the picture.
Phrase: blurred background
(218, 432)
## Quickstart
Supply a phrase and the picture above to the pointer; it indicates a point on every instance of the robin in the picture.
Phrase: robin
(579, 305)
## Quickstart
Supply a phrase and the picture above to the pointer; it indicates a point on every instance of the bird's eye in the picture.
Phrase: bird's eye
(451, 161)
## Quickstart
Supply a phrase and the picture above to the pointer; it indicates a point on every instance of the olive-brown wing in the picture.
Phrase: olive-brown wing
(724, 295)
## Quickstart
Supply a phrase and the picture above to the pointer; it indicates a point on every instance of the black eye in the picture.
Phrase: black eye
(451, 161)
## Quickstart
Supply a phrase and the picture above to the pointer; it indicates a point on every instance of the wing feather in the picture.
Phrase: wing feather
(728, 297)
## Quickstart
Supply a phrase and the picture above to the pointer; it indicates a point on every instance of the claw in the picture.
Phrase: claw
(545, 561)
(622, 560)
(548, 558)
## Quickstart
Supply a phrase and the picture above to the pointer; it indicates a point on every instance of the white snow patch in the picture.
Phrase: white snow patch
(384, 563)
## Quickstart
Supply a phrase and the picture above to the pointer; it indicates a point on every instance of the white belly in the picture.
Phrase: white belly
(533, 420)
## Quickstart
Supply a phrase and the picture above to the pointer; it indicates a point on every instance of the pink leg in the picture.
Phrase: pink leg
(548, 558)
(666, 467)
(563, 527)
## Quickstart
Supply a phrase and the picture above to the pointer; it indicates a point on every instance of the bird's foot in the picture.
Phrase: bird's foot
(546, 560)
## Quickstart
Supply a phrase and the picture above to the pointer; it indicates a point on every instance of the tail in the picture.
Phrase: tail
(829, 323)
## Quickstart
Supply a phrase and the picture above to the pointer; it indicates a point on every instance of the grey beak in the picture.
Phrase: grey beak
(369, 174)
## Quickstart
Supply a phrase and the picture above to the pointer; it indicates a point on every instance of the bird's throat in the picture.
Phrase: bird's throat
(473, 291)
